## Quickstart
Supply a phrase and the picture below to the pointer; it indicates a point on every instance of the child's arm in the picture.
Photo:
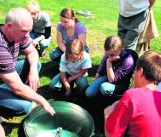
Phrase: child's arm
(97, 75)
(65, 81)
(80, 74)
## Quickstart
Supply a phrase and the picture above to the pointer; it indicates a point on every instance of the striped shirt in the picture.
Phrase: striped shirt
(9, 53)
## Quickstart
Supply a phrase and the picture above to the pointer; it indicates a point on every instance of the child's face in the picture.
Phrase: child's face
(66, 22)
(113, 52)
(73, 57)
(34, 15)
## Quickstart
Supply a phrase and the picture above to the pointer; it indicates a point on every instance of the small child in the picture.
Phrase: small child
(73, 68)
(114, 72)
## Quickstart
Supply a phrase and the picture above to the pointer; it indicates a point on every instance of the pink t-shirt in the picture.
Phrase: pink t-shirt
(138, 114)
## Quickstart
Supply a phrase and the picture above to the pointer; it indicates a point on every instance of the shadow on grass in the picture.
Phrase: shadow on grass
(92, 71)
(49, 69)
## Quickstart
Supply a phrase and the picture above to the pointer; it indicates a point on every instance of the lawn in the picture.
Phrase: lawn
(102, 24)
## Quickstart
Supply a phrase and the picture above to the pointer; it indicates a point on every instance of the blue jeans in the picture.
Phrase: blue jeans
(101, 84)
(10, 101)
(56, 53)
(81, 83)
(43, 43)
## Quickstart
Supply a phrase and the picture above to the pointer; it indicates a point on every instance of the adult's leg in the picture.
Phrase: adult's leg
(134, 27)
(8, 99)
(108, 89)
(55, 54)
(22, 68)
(94, 87)
(121, 27)
(13, 103)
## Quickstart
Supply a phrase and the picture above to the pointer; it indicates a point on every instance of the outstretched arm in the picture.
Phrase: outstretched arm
(19, 88)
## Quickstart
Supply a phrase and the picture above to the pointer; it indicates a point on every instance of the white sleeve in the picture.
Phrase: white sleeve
(62, 66)
(86, 62)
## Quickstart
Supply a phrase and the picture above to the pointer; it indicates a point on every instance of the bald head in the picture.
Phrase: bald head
(18, 15)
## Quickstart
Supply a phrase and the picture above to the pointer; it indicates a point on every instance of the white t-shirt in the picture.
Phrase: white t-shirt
(73, 68)
(128, 8)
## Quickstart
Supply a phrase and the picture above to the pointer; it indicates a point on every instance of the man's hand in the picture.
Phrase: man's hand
(49, 109)
(33, 81)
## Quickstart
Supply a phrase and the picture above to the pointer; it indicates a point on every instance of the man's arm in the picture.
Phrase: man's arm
(33, 58)
(2, 133)
(14, 82)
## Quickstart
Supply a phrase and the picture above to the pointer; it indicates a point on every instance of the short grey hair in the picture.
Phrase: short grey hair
(15, 15)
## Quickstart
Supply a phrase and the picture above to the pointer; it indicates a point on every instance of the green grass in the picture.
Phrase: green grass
(99, 26)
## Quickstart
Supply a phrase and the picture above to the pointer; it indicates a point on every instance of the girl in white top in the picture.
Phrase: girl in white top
(74, 64)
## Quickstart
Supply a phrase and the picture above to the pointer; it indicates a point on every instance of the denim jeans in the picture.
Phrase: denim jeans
(43, 43)
(101, 84)
(56, 53)
(10, 101)
(81, 83)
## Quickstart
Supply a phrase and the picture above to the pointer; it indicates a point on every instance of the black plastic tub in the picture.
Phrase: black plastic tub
(70, 120)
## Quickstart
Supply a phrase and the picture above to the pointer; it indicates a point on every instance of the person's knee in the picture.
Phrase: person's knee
(24, 108)
(82, 85)
(89, 93)
(44, 43)
(107, 89)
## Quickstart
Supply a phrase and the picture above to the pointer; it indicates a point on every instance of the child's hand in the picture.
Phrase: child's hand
(70, 79)
(68, 93)
(113, 58)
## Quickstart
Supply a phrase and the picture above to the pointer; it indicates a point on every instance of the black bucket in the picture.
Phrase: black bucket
(70, 120)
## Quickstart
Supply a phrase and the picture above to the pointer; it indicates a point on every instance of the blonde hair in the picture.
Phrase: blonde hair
(33, 6)
(75, 47)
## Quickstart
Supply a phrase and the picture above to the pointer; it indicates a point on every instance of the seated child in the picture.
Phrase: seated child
(41, 31)
(68, 29)
(74, 64)
(115, 70)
